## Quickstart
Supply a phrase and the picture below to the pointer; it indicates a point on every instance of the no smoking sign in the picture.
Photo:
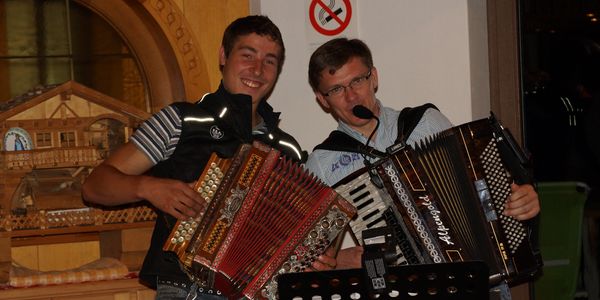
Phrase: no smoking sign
(330, 17)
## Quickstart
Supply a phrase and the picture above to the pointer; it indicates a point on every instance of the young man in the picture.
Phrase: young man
(169, 151)
(342, 76)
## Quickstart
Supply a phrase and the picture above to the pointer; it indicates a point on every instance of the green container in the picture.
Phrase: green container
(560, 238)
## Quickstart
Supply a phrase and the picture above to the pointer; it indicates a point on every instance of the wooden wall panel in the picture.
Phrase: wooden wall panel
(4, 84)
(505, 81)
(208, 19)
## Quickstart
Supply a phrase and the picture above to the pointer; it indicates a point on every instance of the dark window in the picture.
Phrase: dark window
(46, 42)
(67, 139)
(561, 89)
(43, 139)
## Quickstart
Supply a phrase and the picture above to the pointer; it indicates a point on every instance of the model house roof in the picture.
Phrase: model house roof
(41, 94)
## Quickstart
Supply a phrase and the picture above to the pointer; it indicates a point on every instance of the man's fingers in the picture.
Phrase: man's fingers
(176, 213)
(320, 265)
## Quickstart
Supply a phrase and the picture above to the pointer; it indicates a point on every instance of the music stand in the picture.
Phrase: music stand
(460, 280)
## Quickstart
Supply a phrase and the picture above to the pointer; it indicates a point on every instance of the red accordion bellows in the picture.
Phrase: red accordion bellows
(265, 216)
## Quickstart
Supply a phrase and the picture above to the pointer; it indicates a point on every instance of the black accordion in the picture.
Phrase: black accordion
(443, 200)
(265, 216)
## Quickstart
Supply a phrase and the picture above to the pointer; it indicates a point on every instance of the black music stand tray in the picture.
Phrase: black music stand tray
(460, 280)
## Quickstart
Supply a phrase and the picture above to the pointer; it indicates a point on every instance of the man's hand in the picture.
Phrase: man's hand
(523, 202)
(121, 179)
(174, 197)
(349, 258)
(325, 261)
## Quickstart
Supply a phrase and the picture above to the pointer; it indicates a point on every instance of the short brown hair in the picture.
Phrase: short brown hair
(258, 24)
(333, 55)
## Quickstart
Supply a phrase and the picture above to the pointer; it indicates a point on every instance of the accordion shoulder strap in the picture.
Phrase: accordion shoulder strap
(340, 141)
(407, 121)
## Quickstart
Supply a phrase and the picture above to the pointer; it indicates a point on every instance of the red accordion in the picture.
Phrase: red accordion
(265, 216)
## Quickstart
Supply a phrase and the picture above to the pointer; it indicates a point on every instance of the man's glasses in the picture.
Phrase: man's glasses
(356, 83)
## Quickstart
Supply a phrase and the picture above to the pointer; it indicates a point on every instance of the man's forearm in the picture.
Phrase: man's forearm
(107, 185)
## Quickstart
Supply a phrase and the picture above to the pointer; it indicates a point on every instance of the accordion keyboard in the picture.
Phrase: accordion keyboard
(369, 203)
(373, 211)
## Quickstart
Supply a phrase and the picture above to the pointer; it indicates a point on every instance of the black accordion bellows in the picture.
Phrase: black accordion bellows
(444, 199)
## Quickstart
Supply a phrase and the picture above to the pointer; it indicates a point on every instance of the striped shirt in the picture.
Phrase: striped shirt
(158, 136)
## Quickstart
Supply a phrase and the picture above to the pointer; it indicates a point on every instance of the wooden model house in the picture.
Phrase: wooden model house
(68, 127)
(51, 139)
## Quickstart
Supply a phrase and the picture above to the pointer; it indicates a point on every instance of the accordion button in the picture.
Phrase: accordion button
(180, 239)
(325, 224)
(173, 241)
(340, 223)
(313, 234)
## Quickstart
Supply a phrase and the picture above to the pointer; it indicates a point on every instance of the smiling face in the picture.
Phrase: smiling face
(341, 105)
(251, 67)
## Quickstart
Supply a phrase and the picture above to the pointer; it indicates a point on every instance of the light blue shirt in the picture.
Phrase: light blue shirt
(333, 166)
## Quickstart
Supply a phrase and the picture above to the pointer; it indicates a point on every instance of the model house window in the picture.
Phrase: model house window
(43, 139)
(67, 139)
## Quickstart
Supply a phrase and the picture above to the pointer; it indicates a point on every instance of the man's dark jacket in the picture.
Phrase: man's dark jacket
(199, 139)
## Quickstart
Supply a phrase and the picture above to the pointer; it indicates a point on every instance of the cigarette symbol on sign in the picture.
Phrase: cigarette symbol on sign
(325, 16)
(331, 18)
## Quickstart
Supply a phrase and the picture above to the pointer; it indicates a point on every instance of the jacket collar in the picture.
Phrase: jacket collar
(236, 109)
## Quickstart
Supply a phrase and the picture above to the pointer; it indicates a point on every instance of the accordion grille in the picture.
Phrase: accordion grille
(438, 161)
